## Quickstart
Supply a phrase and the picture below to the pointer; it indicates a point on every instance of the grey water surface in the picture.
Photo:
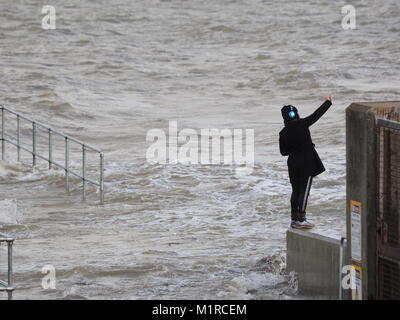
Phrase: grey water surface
(113, 70)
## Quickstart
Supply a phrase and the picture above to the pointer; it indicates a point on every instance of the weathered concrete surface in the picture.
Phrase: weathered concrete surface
(315, 258)
(361, 179)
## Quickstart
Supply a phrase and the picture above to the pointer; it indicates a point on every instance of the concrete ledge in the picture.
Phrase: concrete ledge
(315, 258)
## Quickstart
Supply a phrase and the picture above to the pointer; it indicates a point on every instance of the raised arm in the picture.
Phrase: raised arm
(314, 117)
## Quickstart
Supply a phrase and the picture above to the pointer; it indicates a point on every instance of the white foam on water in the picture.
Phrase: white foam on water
(9, 213)
(209, 65)
(249, 285)
(39, 173)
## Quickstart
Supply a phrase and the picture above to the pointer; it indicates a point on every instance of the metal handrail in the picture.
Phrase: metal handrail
(49, 158)
(8, 285)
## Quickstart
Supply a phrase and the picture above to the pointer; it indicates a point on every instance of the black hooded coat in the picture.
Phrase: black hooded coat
(295, 142)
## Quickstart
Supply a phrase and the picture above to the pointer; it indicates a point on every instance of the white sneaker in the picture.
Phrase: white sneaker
(301, 224)
(308, 225)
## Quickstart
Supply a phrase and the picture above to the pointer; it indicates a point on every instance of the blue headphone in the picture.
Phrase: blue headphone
(292, 114)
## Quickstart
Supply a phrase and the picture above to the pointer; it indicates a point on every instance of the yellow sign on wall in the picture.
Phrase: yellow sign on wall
(357, 291)
(356, 239)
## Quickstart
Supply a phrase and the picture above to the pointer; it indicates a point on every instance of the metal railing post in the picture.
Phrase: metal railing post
(18, 139)
(10, 270)
(101, 178)
(33, 143)
(83, 171)
(50, 148)
(66, 164)
(2, 134)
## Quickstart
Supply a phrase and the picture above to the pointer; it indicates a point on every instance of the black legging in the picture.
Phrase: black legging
(300, 191)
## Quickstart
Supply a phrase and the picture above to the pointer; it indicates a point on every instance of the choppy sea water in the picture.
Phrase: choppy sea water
(112, 71)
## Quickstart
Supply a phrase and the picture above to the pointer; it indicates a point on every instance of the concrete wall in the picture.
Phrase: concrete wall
(361, 180)
(316, 260)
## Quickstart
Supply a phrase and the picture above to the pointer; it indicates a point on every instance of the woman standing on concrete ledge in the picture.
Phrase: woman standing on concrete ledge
(303, 162)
